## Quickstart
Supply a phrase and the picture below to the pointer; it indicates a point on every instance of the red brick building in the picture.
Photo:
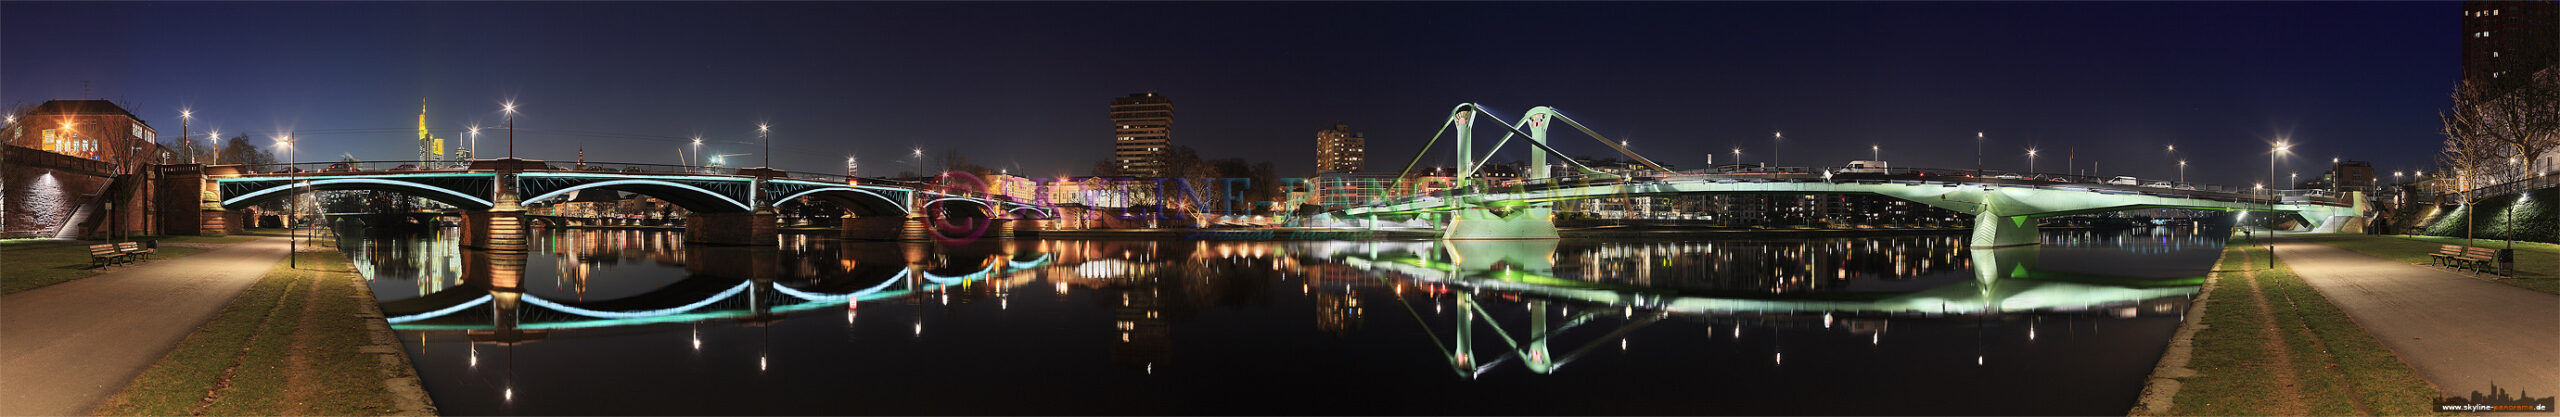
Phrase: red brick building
(75, 169)
(97, 130)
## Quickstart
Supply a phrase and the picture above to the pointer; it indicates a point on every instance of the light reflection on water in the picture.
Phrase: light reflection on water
(637, 322)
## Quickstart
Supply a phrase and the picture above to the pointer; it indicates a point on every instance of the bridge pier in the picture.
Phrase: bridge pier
(494, 229)
(730, 229)
(1993, 230)
(1532, 222)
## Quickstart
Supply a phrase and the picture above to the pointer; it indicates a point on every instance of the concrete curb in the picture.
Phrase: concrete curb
(399, 378)
(2160, 391)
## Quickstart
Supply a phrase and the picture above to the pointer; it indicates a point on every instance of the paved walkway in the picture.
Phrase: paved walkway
(66, 347)
(2461, 333)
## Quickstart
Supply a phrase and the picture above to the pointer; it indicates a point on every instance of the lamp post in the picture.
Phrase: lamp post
(186, 117)
(918, 152)
(1774, 138)
(1977, 154)
(2182, 163)
(697, 153)
(475, 141)
(1875, 152)
(216, 137)
(1737, 154)
(762, 133)
(293, 244)
(2182, 171)
(511, 129)
(2282, 146)
(2031, 162)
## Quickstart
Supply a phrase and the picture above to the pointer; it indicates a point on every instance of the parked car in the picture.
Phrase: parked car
(2123, 180)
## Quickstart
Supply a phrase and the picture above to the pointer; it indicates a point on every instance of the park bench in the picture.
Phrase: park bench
(2445, 254)
(136, 250)
(2480, 259)
(2472, 258)
(104, 254)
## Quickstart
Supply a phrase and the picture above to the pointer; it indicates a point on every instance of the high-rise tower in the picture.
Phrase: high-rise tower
(1144, 126)
(430, 147)
(1339, 150)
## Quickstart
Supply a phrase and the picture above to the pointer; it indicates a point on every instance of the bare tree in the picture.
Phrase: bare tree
(2475, 142)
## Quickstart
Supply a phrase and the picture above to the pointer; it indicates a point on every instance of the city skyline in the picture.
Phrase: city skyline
(1679, 82)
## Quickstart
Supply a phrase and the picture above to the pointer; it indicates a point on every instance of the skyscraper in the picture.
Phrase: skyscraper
(2506, 42)
(430, 147)
(1144, 126)
(1339, 150)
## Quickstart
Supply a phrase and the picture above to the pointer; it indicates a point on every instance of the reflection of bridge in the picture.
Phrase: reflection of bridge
(725, 208)
(2004, 210)
(2006, 281)
(736, 286)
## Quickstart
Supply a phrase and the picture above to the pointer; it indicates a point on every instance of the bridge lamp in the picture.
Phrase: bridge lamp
(510, 108)
(761, 130)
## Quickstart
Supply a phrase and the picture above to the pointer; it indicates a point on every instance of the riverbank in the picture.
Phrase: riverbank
(2266, 343)
(2537, 264)
(299, 341)
(35, 263)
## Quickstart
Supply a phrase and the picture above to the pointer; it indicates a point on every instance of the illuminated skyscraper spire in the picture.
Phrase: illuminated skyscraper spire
(430, 147)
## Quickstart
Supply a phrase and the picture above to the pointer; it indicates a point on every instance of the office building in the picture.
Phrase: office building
(1339, 150)
(1143, 127)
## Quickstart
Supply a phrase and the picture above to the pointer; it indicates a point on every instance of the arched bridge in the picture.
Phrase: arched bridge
(505, 186)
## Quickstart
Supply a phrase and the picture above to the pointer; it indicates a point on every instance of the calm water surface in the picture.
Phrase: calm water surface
(637, 322)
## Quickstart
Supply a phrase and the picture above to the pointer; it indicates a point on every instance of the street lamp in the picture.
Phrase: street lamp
(293, 244)
(918, 152)
(1977, 154)
(1875, 152)
(2182, 171)
(697, 152)
(1737, 154)
(2282, 146)
(1774, 137)
(216, 138)
(2031, 161)
(186, 117)
(761, 130)
(511, 129)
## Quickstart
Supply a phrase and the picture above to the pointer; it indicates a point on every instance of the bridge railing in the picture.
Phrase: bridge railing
(1875, 175)
(552, 166)
(2546, 180)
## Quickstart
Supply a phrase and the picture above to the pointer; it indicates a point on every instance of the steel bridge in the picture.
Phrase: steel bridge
(725, 206)
(2004, 207)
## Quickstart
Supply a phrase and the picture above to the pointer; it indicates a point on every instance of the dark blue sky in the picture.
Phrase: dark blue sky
(1029, 84)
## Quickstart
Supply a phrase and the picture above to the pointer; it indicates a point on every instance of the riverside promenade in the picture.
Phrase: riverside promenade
(2459, 332)
(65, 347)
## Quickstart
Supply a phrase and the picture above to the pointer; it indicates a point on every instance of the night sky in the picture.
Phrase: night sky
(1029, 85)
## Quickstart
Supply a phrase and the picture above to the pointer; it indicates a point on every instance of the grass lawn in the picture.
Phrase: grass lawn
(286, 346)
(2271, 345)
(34, 263)
(2537, 264)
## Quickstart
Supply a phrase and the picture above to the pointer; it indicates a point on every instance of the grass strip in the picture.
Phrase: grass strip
(35, 263)
(287, 346)
(2537, 263)
(2327, 365)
